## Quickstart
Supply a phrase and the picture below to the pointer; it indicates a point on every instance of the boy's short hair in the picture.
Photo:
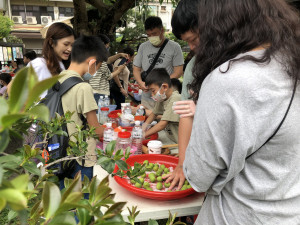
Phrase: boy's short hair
(30, 55)
(88, 46)
(176, 84)
(153, 22)
(128, 51)
(158, 76)
(5, 77)
(185, 17)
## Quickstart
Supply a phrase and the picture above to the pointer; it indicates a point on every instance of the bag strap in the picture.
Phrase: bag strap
(285, 115)
(157, 56)
(68, 84)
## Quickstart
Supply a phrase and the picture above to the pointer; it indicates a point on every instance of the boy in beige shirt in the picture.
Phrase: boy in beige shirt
(159, 84)
(87, 55)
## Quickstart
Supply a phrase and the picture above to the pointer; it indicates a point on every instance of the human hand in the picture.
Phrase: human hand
(177, 177)
(121, 68)
(124, 55)
(143, 86)
(124, 92)
(184, 108)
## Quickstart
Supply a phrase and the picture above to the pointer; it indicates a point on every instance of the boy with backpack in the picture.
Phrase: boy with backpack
(88, 53)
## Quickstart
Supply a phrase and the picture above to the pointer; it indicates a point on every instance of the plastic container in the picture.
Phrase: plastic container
(140, 111)
(124, 140)
(127, 109)
(137, 138)
(103, 115)
(106, 101)
(108, 135)
(112, 107)
(154, 147)
(122, 107)
(116, 132)
(114, 118)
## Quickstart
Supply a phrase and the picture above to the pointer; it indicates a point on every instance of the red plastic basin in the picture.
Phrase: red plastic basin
(152, 158)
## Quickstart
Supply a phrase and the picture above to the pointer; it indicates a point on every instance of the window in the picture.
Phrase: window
(66, 12)
(37, 11)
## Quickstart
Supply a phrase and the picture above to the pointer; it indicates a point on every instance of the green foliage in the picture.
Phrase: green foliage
(13, 39)
(5, 26)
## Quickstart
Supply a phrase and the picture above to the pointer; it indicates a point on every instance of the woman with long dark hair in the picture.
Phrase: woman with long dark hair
(244, 149)
(57, 48)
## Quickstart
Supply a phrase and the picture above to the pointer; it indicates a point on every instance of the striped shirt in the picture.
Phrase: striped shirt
(100, 81)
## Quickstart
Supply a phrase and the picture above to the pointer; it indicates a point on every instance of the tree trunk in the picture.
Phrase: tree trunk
(81, 23)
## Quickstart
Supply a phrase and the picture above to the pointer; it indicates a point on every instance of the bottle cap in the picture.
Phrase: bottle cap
(108, 124)
(124, 134)
(141, 107)
(137, 122)
(104, 109)
(101, 96)
(113, 116)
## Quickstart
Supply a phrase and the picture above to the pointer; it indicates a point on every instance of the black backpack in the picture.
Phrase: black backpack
(57, 145)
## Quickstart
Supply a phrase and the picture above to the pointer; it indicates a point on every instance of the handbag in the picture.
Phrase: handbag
(144, 74)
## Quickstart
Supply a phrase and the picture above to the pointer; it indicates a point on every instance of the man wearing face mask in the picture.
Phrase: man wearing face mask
(171, 57)
(160, 87)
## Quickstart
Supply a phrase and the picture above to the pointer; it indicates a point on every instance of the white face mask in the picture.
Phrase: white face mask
(158, 97)
(155, 40)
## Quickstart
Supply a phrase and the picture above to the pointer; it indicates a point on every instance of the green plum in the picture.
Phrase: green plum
(141, 180)
(184, 187)
(162, 167)
(149, 189)
(186, 182)
(166, 170)
(144, 175)
(159, 179)
(189, 186)
(167, 185)
(146, 162)
(155, 168)
(138, 185)
(159, 186)
(146, 184)
(132, 181)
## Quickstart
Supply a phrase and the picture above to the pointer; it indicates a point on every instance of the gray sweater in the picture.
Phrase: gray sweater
(236, 113)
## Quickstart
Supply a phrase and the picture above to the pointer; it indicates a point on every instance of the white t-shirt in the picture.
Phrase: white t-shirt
(40, 67)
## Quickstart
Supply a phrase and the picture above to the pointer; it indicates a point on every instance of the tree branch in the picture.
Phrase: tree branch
(99, 4)
(80, 17)
(69, 158)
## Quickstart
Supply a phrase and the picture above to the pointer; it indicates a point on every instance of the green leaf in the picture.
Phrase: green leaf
(9, 120)
(110, 148)
(122, 165)
(3, 110)
(1, 174)
(15, 198)
(11, 215)
(74, 187)
(4, 139)
(152, 222)
(83, 216)
(21, 182)
(115, 208)
(51, 199)
(66, 218)
(108, 165)
(102, 192)
(2, 203)
(39, 88)
(19, 91)
(31, 168)
(41, 112)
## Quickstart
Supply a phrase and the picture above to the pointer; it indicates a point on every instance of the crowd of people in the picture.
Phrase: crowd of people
(235, 117)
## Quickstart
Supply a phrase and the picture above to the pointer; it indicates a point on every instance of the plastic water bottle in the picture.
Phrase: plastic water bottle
(108, 135)
(127, 109)
(106, 101)
(140, 111)
(137, 138)
(100, 105)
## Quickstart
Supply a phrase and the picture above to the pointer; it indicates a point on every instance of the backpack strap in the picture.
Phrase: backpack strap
(68, 84)
(157, 56)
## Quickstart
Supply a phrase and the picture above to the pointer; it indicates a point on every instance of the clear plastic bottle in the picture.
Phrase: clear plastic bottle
(108, 135)
(106, 101)
(104, 115)
(141, 111)
(127, 109)
(100, 105)
(137, 138)
(123, 140)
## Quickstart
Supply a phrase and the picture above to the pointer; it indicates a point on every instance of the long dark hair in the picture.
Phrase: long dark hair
(228, 28)
(55, 32)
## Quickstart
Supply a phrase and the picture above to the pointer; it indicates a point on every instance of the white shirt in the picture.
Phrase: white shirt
(40, 67)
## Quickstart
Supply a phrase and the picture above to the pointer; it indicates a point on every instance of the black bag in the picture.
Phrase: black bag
(144, 74)
(57, 145)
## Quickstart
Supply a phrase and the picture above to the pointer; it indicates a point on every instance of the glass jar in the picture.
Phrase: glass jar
(103, 116)
(123, 140)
